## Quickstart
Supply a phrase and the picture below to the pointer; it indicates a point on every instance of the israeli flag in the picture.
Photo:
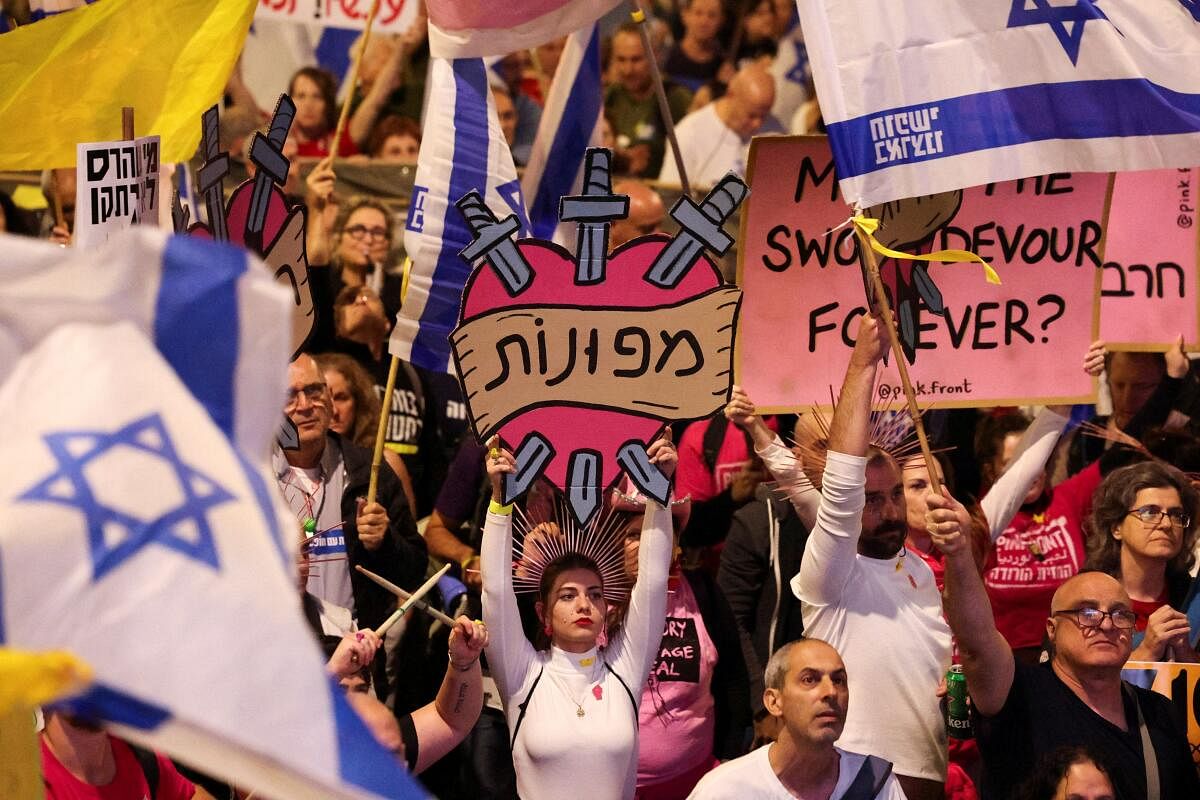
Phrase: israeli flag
(462, 149)
(213, 312)
(141, 540)
(929, 95)
(570, 124)
(460, 29)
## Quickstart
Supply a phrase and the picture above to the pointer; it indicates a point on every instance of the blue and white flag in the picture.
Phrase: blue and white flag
(462, 149)
(570, 124)
(211, 311)
(138, 538)
(928, 95)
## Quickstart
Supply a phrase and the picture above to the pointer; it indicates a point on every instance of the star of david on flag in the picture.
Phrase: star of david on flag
(1067, 22)
(114, 533)
(140, 538)
(928, 96)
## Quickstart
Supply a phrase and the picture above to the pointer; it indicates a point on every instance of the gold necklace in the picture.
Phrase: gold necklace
(579, 711)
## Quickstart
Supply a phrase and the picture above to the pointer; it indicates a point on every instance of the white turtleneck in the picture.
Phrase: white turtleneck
(557, 752)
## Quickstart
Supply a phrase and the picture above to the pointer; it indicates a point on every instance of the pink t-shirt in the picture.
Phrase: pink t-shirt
(1035, 555)
(675, 717)
(128, 784)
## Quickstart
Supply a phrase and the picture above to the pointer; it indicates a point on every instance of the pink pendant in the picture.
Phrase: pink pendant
(598, 692)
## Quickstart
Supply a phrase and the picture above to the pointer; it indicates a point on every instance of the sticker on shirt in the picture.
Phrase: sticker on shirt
(329, 543)
(679, 654)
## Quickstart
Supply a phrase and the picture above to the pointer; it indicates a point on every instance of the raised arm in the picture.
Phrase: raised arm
(509, 653)
(833, 544)
(987, 659)
(779, 460)
(632, 654)
(445, 722)
(1037, 444)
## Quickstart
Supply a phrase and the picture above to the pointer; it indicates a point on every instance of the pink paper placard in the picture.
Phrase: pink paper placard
(1020, 342)
(1149, 293)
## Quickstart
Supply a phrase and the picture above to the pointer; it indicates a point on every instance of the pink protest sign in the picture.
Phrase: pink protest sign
(577, 360)
(1016, 343)
(1149, 294)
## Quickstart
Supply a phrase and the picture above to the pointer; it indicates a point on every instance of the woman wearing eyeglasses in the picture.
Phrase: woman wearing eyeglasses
(1143, 532)
(363, 247)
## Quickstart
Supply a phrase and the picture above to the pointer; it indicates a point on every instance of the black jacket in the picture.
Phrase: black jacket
(762, 553)
(730, 681)
(401, 558)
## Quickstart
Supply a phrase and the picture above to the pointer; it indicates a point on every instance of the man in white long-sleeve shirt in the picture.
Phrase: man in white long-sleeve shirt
(859, 592)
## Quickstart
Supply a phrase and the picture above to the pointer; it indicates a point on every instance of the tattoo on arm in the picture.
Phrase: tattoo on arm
(462, 697)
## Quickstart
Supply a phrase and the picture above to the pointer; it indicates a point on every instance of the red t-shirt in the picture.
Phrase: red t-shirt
(319, 148)
(1144, 608)
(1034, 556)
(129, 782)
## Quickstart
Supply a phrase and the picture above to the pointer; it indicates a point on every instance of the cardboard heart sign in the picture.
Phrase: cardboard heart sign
(259, 217)
(577, 362)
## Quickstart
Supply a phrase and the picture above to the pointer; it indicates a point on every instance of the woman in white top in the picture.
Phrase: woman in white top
(572, 710)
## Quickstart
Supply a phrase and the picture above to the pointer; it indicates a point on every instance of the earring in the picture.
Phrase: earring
(549, 629)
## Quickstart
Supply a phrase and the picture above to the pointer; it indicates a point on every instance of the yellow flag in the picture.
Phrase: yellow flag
(66, 77)
(28, 680)
(21, 767)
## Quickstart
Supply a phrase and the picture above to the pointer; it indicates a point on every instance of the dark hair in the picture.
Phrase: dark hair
(989, 439)
(1112, 501)
(362, 389)
(389, 126)
(1048, 773)
(327, 86)
(1157, 359)
(550, 574)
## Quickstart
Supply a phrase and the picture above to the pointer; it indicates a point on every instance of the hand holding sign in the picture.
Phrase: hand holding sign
(578, 362)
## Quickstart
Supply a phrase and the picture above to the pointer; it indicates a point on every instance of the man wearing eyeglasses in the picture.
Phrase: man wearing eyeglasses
(324, 482)
(1024, 712)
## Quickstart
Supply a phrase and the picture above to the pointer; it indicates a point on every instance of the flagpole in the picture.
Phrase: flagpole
(127, 123)
(352, 82)
(664, 108)
(386, 408)
(885, 310)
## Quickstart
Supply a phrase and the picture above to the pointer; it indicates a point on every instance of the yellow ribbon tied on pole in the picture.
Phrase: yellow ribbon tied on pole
(868, 226)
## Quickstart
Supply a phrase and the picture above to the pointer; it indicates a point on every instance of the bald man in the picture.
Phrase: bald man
(646, 213)
(1078, 698)
(807, 691)
(716, 139)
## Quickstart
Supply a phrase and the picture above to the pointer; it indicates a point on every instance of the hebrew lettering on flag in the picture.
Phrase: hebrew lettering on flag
(927, 96)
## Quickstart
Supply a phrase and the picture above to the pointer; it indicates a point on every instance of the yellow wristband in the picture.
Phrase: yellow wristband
(496, 508)
(468, 560)
(638, 15)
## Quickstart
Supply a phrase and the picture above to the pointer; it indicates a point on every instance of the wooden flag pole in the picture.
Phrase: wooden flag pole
(352, 83)
(386, 410)
(127, 123)
(381, 431)
(411, 601)
(660, 92)
(889, 324)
